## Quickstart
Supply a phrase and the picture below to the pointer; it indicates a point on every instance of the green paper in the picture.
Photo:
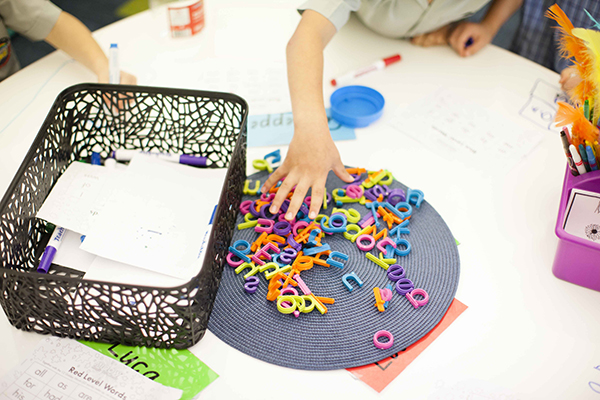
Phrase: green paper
(171, 367)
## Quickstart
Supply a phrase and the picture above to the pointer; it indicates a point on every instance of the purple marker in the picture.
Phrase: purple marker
(127, 155)
(51, 249)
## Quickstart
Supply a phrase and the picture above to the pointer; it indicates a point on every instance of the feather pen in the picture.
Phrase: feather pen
(571, 46)
(581, 129)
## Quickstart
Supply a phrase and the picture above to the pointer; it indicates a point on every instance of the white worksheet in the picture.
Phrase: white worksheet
(263, 84)
(68, 370)
(77, 196)
(70, 255)
(105, 270)
(156, 216)
(456, 128)
(582, 216)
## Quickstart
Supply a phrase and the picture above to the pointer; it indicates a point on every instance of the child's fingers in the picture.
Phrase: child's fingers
(341, 172)
(418, 40)
(316, 199)
(281, 193)
(478, 44)
(296, 201)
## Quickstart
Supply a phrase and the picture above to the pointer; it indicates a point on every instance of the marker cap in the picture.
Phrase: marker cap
(197, 161)
(46, 259)
(392, 59)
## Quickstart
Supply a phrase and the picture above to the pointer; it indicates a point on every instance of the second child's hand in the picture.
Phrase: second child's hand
(311, 155)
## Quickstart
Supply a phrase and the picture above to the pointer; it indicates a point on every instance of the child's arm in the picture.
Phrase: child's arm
(312, 153)
(75, 39)
(569, 78)
(483, 32)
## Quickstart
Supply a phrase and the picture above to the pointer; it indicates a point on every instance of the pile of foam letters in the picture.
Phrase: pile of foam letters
(284, 249)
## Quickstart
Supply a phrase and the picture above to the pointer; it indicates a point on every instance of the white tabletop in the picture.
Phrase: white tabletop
(526, 334)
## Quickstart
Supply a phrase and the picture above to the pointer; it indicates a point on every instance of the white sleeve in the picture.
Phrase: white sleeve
(33, 19)
(336, 11)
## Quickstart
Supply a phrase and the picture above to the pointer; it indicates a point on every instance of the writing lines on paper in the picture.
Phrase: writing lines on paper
(171, 367)
(77, 196)
(262, 83)
(457, 128)
(67, 370)
(541, 106)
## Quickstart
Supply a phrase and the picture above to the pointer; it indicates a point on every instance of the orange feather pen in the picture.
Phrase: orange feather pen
(581, 130)
(572, 47)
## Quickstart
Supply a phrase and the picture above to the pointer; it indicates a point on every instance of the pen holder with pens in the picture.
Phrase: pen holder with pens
(99, 118)
(577, 260)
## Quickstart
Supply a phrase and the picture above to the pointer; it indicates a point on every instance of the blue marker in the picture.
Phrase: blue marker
(95, 159)
(591, 158)
(469, 42)
(51, 249)
(114, 71)
(583, 155)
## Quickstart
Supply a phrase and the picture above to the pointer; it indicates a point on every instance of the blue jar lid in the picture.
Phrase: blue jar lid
(356, 106)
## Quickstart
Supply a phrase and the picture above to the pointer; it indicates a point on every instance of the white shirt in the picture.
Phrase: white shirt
(396, 18)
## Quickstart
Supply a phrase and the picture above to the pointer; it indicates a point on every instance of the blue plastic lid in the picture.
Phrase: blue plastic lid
(356, 106)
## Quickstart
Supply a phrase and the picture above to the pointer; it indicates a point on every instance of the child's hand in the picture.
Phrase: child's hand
(126, 78)
(479, 34)
(569, 78)
(310, 157)
(435, 38)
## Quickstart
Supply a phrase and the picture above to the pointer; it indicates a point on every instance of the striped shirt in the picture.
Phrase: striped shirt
(538, 40)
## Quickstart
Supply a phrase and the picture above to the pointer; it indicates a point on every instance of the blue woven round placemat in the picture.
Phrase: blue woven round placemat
(343, 337)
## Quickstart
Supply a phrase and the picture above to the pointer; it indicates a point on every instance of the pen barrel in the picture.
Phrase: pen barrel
(591, 158)
(196, 161)
(56, 238)
(46, 259)
(114, 70)
(577, 159)
(51, 249)
(571, 163)
(127, 155)
(376, 66)
(350, 76)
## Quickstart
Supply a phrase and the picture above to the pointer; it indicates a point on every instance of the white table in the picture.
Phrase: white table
(525, 334)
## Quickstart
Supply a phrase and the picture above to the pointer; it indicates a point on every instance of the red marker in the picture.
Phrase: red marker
(376, 66)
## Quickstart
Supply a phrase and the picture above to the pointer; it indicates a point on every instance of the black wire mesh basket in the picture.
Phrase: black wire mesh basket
(90, 118)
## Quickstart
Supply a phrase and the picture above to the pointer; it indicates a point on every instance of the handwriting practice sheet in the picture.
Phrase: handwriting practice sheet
(68, 370)
(77, 196)
(457, 128)
(156, 217)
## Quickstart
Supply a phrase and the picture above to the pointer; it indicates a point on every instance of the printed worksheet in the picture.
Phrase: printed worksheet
(77, 196)
(582, 216)
(262, 84)
(156, 216)
(541, 106)
(457, 128)
(68, 370)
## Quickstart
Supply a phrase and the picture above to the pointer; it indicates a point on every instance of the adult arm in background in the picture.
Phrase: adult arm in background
(75, 39)
(569, 79)
(312, 152)
(482, 32)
